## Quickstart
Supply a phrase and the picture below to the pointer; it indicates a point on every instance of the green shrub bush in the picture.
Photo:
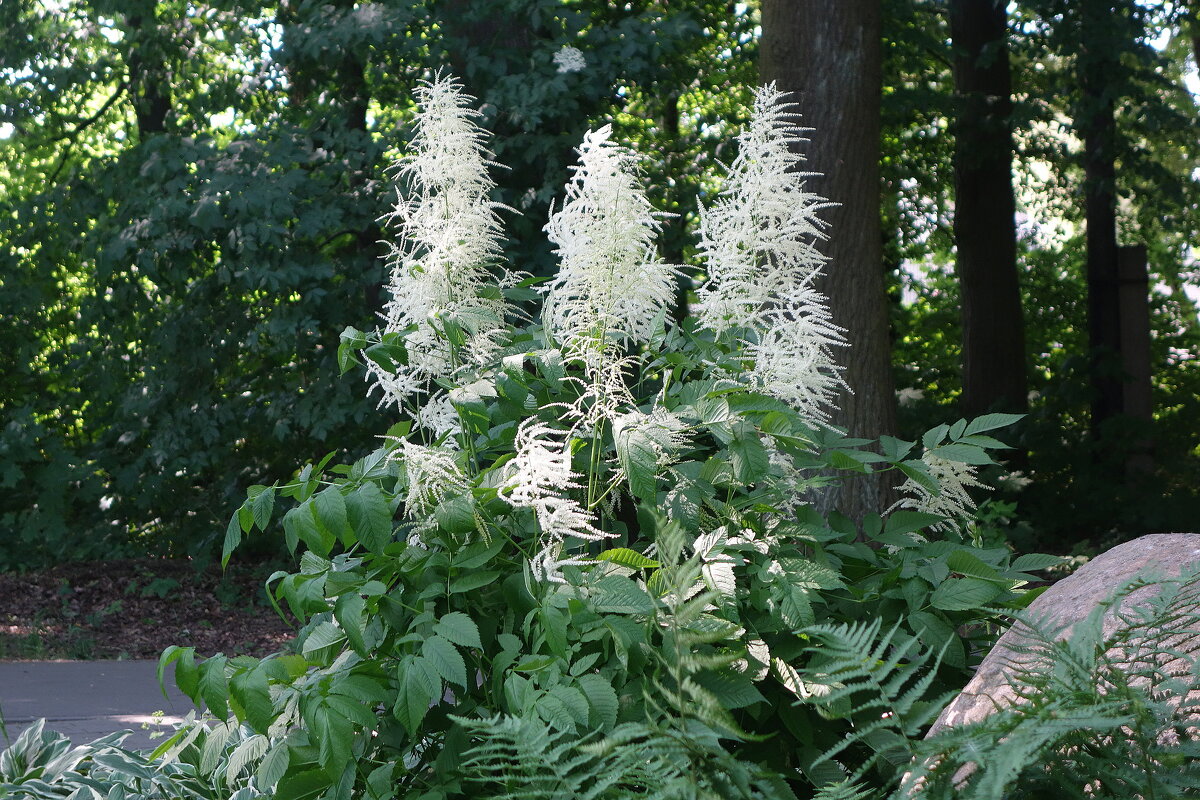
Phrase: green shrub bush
(587, 566)
(587, 563)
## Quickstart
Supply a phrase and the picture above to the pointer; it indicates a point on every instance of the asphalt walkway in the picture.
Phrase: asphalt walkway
(87, 699)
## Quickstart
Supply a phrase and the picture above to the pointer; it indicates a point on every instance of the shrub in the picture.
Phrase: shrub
(586, 564)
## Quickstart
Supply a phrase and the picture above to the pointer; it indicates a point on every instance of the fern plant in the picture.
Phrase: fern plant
(1112, 710)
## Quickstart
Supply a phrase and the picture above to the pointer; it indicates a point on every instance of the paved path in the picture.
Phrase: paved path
(87, 699)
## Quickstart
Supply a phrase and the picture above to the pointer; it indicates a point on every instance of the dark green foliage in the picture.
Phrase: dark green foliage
(169, 280)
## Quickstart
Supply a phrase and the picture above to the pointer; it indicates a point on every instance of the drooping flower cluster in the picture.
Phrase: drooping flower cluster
(541, 478)
(759, 244)
(433, 475)
(952, 502)
(611, 286)
(442, 281)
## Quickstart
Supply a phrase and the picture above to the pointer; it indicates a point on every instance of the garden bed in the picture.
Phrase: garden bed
(134, 609)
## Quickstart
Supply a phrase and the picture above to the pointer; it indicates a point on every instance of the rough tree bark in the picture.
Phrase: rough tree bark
(829, 55)
(985, 232)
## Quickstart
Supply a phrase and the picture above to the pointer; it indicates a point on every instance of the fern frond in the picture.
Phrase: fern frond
(1114, 707)
(878, 684)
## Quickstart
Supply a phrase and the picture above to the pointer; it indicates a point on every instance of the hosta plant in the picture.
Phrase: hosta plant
(583, 562)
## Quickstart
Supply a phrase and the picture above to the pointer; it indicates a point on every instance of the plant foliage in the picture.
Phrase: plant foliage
(1109, 710)
(585, 565)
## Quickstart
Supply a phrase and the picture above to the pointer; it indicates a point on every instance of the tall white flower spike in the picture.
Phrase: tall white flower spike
(759, 242)
(448, 245)
(611, 286)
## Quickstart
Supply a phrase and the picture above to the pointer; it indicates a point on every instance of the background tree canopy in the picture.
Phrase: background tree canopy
(189, 195)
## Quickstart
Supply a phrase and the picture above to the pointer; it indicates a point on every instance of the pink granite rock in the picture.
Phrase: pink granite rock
(1066, 603)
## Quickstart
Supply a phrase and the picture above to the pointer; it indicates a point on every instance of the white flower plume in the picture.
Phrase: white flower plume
(433, 475)
(449, 242)
(759, 244)
(954, 478)
(570, 59)
(542, 475)
(611, 286)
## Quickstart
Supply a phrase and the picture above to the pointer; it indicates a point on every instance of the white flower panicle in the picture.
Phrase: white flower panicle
(542, 475)
(570, 59)
(759, 244)
(954, 478)
(439, 416)
(611, 286)
(433, 475)
(542, 466)
(449, 241)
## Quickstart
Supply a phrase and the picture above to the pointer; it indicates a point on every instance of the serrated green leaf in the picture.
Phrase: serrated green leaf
(810, 575)
(250, 749)
(990, 422)
(1031, 562)
(419, 685)
(272, 767)
(186, 676)
(458, 628)
(795, 607)
(456, 514)
(263, 505)
(965, 563)
(963, 594)
(329, 511)
(370, 517)
(300, 525)
(963, 454)
(602, 699)
(627, 557)
(733, 689)
(895, 449)
(233, 537)
(253, 694)
(555, 712)
(472, 581)
(617, 594)
(305, 785)
(639, 460)
(748, 457)
(573, 700)
(933, 436)
(907, 521)
(325, 634)
(348, 611)
(213, 686)
(986, 442)
(446, 659)
(918, 471)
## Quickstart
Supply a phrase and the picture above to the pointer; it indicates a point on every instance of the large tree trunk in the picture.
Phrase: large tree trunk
(829, 55)
(985, 212)
(1096, 121)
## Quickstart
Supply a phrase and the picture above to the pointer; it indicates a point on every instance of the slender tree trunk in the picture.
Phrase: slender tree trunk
(985, 228)
(1097, 61)
(829, 54)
